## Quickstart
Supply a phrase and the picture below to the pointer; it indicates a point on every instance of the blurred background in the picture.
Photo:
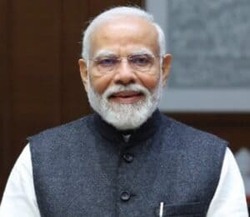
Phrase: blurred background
(40, 85)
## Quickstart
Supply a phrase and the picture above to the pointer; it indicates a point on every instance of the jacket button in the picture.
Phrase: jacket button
(125, 196)
(128, 157)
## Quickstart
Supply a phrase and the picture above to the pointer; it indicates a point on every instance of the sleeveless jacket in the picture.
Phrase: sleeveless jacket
(87, 168)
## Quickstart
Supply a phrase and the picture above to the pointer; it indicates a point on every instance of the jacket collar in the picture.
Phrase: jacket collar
(144, 132)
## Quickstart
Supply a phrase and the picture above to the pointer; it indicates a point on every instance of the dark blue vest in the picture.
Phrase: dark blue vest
(86, 168)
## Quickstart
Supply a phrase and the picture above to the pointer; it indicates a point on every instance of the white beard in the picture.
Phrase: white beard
(125, 116)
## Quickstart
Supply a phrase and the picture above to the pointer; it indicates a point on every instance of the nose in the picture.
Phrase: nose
(124, 73)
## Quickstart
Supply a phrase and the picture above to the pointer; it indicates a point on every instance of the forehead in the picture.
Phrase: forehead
(124, 35)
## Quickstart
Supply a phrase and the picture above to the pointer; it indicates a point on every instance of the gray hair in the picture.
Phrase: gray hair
(120, 11)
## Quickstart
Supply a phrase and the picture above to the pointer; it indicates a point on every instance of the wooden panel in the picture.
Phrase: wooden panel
(36, 50)
(74, 104)
(4, 95)
(34, 67)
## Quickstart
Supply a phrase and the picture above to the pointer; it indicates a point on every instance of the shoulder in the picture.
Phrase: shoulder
(186, 139)
(63, 130)
(188, 133)
(63, 135)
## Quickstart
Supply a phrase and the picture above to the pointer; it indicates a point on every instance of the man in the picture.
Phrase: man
(127, 159)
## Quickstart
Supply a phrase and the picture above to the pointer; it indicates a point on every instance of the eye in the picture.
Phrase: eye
(141, 60)
(106, 62)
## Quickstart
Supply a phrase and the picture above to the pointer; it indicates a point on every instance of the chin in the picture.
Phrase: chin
(128, 116)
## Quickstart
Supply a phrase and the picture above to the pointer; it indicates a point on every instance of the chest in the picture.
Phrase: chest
(100, 179)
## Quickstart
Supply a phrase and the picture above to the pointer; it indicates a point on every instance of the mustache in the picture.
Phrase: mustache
(131, 87)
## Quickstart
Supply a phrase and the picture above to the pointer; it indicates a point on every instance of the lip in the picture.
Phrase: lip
(126, 97)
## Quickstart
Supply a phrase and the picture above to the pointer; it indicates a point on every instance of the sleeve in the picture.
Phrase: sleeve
(19, 196)
(230, 198)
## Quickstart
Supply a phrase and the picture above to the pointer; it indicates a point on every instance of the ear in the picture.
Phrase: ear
(84, 72)
(166, 65)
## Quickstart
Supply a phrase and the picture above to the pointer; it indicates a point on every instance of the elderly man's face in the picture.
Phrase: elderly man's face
(124, 76)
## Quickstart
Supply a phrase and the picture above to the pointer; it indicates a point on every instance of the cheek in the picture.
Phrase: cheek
(100, 83)
(149, 81)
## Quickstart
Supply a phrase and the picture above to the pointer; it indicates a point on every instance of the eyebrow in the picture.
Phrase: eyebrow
(142, 51)
(103, 53)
